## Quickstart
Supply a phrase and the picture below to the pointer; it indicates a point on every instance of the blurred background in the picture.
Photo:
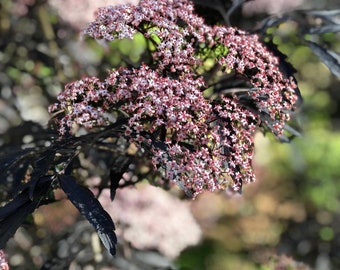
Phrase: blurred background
(288, 219)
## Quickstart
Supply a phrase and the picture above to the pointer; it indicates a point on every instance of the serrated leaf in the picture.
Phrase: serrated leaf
(235, 6)
(15, 174)
(219, 5)
(14, 205)
(13, 221)
(41, 166)
(335, 55)
(292, 130)
(116, 173)
(114, 182)
(272, 21)
(11, 159)
(330, 28)
(331, 16)
(285, 67)
(89, 207)
(14, 213)
(327, 57)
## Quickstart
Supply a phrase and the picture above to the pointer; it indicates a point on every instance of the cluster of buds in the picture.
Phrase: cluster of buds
(199, 141)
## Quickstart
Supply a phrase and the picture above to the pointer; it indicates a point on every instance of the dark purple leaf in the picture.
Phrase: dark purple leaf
(327, 57)
(272, 21)
(14, 213)
(90, 207)
(331, 16)
(114, 182)
(235, 6)
(12, 158)
(116, 173)
(226, 11)
(41, 166)
(285, 67)
(331, 28)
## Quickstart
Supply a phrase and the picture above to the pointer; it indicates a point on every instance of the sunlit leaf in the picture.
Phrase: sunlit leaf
(332, 16)
(331, 28)
(327, 57)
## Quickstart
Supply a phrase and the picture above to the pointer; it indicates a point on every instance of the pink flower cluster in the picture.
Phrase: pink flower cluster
(134, 210)
(3, 263)
(171, 26)
(84, 103)
(199, 142)
(272, 93)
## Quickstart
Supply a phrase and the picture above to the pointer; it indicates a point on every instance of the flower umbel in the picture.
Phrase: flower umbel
(3, 262)
(199, 140)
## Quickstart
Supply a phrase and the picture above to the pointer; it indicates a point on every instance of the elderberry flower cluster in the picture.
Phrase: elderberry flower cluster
(273, 94)
(3, 262)
(198, 141)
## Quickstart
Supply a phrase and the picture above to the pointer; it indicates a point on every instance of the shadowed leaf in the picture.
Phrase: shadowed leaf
(115, 175)
(14, 213)
(41, 167)
(90, 207)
